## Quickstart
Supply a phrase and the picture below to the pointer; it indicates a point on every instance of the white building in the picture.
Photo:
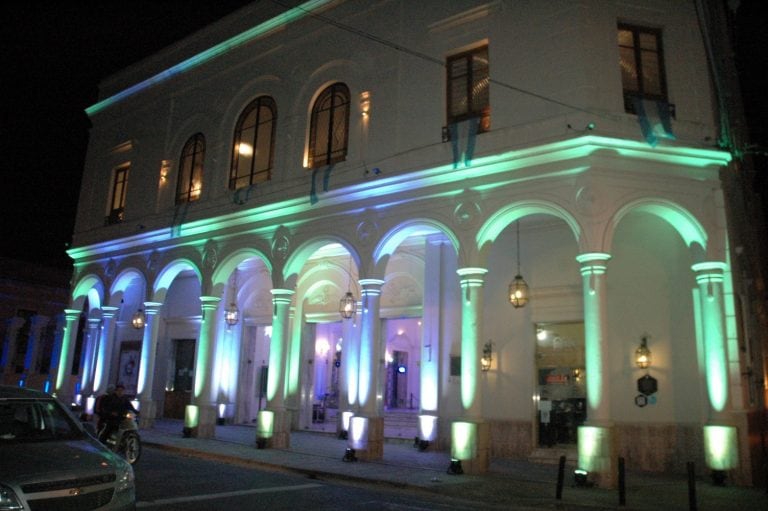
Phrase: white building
(420, 155)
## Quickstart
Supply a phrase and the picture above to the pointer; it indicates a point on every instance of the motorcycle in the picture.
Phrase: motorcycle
(125, 440)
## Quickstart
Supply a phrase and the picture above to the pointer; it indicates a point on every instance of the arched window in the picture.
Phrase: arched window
(329, 126)
(191, 170)
(254, 143)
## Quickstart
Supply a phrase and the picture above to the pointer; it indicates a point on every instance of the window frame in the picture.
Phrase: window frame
(482, 111)
(253, 175)
(193, 153)
(116, 212)
(637, 52)
(332, 153)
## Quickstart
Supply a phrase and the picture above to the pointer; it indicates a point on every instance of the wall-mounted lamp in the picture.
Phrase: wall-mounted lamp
(365, 103)
(643, 354)
(138, 320)
(487, 358)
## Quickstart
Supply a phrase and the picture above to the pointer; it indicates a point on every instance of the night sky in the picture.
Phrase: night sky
(54, 53)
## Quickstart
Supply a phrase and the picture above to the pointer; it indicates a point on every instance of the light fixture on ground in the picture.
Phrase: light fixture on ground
(138, 320)
(487, 358)
(348, 303)
(518, 288)
(232, 314)
(643, 354)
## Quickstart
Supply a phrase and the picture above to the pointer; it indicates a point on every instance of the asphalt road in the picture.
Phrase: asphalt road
(169, 481)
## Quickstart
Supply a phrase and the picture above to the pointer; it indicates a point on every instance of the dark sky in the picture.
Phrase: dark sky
(52, 56)
(54, 53)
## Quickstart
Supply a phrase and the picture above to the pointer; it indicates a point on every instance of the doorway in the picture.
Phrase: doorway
(178, 390)
(561, 383)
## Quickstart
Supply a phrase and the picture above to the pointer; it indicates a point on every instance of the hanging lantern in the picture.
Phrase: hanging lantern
(518, 292)
(232, 313)
(138, 320)
(347, 305)
(518, 288)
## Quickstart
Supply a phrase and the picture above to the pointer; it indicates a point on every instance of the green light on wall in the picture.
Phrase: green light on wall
(594, 448)
(720, 447)
(463, 440)
(191, 416)
(265, 427)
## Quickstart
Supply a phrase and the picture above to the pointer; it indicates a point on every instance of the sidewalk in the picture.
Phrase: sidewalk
(509, 484)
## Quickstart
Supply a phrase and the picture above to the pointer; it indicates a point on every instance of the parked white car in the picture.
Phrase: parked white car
(49, 461)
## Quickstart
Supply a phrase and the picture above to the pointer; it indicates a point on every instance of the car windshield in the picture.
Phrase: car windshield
(32, 420)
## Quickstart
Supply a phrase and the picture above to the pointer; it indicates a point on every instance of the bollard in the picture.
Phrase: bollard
(691, 487)
(560, 478)
(622, 484)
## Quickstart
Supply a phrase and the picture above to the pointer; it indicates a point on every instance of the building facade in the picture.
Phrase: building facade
(503, 218)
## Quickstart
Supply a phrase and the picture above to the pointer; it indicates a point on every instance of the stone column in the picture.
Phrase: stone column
(366, 434)
(275, 422)
(597, 442)
(721, 450)
(33, 345)
(104, 354)
(63, 387)
(144, 392)
(429, 370)
(92, 337)
(200, 415)
(470, 435)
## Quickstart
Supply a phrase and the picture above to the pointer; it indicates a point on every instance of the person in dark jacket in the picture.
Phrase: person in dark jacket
(112, 408)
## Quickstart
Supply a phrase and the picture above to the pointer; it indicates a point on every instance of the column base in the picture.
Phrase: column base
(200, 421)
(147, 413)
(274, 429)
(471, 446)
(366, 437)
(597, 456)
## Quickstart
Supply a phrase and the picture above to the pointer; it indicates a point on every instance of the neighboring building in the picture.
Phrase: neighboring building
(33, 298)
(414, 159)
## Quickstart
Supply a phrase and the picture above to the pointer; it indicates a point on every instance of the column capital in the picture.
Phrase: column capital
(470, 272)
(71, 314)
(713, 268)
(109, 311)
(370, 283)
(209, 302)
(151, 308)
(593, 262)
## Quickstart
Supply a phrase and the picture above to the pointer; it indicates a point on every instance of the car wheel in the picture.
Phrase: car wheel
(131, 448)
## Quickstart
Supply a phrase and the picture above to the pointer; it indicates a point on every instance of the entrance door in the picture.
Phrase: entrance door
(561, 389)
(179, 393)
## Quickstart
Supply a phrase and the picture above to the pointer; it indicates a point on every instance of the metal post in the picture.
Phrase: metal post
(560, 478)
(691, 487)
(622, 484)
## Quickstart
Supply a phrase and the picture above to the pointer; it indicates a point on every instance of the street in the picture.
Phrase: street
(169, 481)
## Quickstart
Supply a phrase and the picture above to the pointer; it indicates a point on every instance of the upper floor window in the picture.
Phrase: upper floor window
(254, 143)
(642, 65)
(467, 82)
(329, 126)
(191, 170)
(117, 199)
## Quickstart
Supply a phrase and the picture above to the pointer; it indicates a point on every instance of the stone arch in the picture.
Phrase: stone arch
(166, 276)
(299, 257)
(395, 236)
(505, 216)
(683, 221)
(225, 268)
(91, 287)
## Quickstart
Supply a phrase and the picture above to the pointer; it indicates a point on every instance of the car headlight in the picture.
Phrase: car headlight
(124, 476)
(8, 499)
